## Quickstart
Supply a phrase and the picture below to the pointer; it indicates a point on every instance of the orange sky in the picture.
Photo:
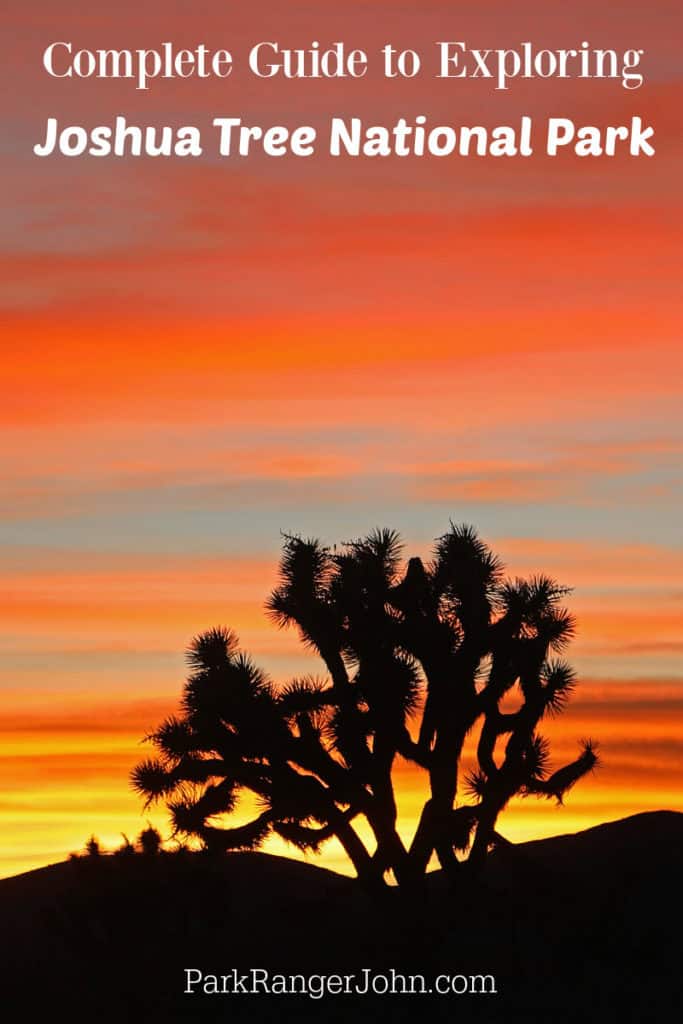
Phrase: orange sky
(199, 355)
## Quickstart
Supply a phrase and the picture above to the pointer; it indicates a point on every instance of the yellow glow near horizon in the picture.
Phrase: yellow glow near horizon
(64, 784)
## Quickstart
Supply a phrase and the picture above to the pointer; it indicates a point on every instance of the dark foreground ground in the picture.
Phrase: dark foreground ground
(578, 928)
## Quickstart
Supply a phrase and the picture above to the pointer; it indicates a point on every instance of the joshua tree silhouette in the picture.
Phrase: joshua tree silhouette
(416, 658)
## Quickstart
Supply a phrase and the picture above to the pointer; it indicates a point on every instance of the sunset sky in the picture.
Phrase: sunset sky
(200, 354)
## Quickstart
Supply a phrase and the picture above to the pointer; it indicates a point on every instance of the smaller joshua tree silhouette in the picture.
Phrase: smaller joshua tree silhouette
(416, 659)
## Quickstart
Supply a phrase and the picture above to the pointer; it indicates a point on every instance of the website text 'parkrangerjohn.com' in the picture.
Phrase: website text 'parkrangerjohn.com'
(258, 981)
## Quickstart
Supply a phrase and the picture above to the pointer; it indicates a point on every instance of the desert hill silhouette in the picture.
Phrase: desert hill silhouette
(577, 927)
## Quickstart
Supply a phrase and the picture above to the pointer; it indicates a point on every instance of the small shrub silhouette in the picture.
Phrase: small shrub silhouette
(416, 658)
(126, 849)
(149, 842)
(92, 847)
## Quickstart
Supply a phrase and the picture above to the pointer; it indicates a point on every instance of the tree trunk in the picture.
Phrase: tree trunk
(355, 849)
